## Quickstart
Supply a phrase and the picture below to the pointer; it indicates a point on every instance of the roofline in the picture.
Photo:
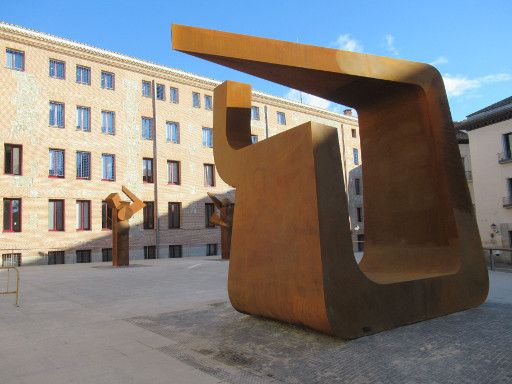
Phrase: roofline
(148, 65)
(486, 118)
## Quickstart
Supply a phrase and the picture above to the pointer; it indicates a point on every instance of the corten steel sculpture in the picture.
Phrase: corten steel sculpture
(225, 220)
(293, 260)
(122, 211)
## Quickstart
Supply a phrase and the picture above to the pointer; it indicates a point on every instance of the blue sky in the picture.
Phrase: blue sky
(468, 41)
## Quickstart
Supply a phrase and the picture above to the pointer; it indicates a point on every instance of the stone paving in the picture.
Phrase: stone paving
(170, 322)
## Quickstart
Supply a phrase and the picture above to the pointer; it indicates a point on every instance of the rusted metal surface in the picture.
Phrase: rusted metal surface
(291, 250)
(122, 211)
(225, 220)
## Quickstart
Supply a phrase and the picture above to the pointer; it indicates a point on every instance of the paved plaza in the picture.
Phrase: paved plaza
(169, 321)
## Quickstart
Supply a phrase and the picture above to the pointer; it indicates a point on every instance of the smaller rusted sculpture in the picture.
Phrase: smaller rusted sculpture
(122, 211)
(225, 220)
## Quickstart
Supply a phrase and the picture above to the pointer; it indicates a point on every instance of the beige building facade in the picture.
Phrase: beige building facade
(78, 122)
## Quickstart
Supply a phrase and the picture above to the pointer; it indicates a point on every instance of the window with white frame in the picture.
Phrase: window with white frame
(108, 122)
(56, 163)
(83, 75)
(83, 118)
(196, 100)
(83, 165)
(255, 113)
(160, 92)
(146, 88)
(57, 69)
(174, 95)
(83, 215)
(108, 167)
(355, 153)
(281, 118)
(208, 103)
(208, 137)
(147, 128)
(56, 114)
(173, 132)
(107, 80)
(209, 175)
(173, 172)
(15, 59)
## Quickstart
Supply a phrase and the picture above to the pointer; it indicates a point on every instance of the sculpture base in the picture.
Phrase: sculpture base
(120, 243)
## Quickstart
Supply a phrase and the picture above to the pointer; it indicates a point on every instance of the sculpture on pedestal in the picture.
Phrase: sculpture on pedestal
(225, 220)
(122, 211)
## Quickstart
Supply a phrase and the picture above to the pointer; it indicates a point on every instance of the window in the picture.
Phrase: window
(160, 92)
(254, 139)
(15, 59)
(196, 100)
(56, 215)
(146, 88)
(108, 122)
(106, 216)
(360, 243)
(12, 215)
(55, 257)
(147, 128)
(83, 75)
(149, 252)
(211, 250)
(57, 69)
(355, 152)
(209, 210)
(359, 214)
(354, 133)
(175, 251)
(11, 260)
(83, 256)
(281, 118)
(106, 254)
(83, 215)
(56, 166)
(149, 215)
(83, 118)
(209, 175)
(12, 159)
(147, 170)
(208, 104)
(173, 132)
(83, 165)
(174, 215)
(108, 167)
(255, 113)
(174, 95)
(357, 186)
(173, 171)
(507, 146)
(56, 114)
(208, 137)
(107, 80)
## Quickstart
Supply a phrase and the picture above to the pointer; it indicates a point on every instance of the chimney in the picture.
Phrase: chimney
(347, 112)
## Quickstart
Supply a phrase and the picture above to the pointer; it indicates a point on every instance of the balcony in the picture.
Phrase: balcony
(505, 157)
(469, 176)
(507, 202)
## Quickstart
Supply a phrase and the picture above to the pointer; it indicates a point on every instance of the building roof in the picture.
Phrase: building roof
(494, 113)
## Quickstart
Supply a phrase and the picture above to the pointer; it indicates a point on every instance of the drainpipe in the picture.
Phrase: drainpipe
(155, 171)
(266, 121)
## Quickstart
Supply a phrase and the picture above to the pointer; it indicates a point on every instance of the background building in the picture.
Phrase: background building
(78, 122)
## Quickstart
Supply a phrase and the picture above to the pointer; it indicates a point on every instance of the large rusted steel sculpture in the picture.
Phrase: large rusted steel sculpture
(122, 211)
(225, 220)
(293, 260)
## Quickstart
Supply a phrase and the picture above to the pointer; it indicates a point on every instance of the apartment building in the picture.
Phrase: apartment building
(78, 122)
(490, 144)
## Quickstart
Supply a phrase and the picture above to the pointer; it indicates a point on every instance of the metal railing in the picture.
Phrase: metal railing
(507, 202)
(17, 290)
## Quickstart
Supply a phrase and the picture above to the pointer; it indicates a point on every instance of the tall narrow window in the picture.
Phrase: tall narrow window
(209, 175)
(12, 215)
(108, 122)
(208, 137)
(146, 88)
(255, 113)
(83, 215)
(57, 69)
(196, 100)
(108, 167)
(359, 214)
(173, 172)
(106, 216)
(281, 118)
(56, 165)
(147, 170)
(106, 254)
(211, 250)
(175, 251)
(56, 114)
(147, 128)
(56, 215)
(83, 256)
(209, 210)
(357, 186)
(160, 92)
(174, 95)
(149, 215)
(354, 133)
(355, 152)
(360, 243)
(254, 139)
(149, 252)
(83, 118)
(174, 215)
(83, 75)
(173, 132)
(208, 103)
(15, 59)
(12, 159)
(83, 165)
(507, 146)
(107, 80)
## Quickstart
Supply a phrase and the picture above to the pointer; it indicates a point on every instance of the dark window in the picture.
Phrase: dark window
(12, 159)
(12, 215)
(254, 139)
(83, 165)
(106, 254)
(15, 59)
(146, 88)
(57, 69)
(360, 243)
(160, 92)
(11, 260)
(149, 252)
(56, 215)
(149, 215)
(208, 104)
(209, 211)
(211, 250)
(55, 257)
(359, 214)
(83, 215)
(209, 175)
(196, 100)
(106, 216)
(108, 122)
(56, 166)
(507, 146)
(255, 113)
(355, 152)
(107, 80)
(174, 95)
(108, 167)
(354, 133)
(56, 117)
(147, 170)
(83, 75)
(175, 251)
(281, 118)
(174, 215)
(357, 186)
(173, 172)
(83, 256)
